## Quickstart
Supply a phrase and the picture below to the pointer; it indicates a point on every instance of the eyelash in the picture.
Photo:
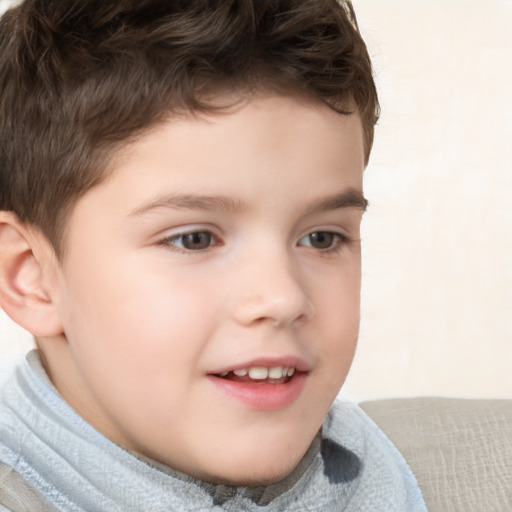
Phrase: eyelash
(171, 241)
(338, 241)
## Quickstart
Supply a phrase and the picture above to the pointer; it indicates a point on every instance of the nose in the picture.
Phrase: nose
(271, 291)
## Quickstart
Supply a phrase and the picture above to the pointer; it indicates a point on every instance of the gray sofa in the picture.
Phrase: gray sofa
(459, 449)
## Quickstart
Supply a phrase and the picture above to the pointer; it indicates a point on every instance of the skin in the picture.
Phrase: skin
(145, 318)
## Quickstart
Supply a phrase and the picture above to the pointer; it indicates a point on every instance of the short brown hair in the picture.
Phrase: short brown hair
(80, 77)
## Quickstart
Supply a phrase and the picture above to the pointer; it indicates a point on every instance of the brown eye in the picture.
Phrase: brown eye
(194, 241)
(321, 239)
(324, 241)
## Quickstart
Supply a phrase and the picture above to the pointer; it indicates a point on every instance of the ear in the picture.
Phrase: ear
(25, 260)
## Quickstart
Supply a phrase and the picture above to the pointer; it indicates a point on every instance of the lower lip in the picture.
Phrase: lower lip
(263, 396)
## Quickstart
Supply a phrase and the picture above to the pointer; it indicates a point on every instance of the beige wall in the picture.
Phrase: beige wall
(437, 281)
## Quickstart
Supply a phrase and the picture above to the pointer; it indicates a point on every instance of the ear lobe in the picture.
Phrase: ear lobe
(23, 295)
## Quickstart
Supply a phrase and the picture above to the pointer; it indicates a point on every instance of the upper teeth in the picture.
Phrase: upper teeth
(261, 372)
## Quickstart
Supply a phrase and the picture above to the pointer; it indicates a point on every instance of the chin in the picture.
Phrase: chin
(255, 474)
(251, 478)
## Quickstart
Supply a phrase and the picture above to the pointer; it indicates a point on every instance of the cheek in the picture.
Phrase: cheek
(338, 313)
(339, 295)
(137, 338)
(137, 317)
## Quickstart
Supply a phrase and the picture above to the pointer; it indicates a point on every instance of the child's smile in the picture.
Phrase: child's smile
(209, 289)
(264, 384)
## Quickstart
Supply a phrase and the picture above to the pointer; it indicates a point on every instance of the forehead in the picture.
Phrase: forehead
(265, 148)
(273, 123)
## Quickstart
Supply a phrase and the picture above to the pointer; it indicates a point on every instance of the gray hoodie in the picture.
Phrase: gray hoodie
(51, 459)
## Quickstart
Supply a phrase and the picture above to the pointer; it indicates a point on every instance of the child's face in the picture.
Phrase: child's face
(219, 244)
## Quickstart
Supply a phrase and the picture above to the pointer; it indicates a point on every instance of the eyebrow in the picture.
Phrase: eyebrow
(350, 198)
(190, 202)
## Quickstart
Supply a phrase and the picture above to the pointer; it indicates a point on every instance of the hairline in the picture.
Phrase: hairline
(112, 157)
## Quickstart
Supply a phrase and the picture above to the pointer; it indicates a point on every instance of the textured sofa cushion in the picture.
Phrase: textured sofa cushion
(460, 450)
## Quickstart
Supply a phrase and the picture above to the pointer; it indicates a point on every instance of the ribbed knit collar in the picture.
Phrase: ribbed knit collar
(351, 466)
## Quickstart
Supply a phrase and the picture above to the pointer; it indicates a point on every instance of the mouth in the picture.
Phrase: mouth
(262, 387)
(260, 374)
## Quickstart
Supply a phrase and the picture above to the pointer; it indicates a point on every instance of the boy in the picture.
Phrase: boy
(181, 194)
